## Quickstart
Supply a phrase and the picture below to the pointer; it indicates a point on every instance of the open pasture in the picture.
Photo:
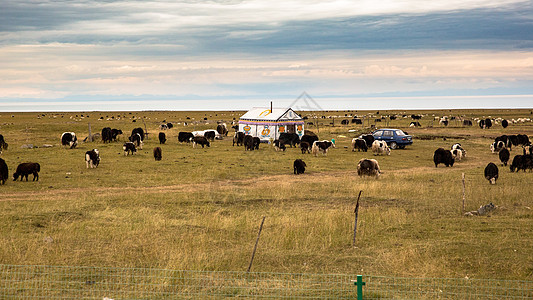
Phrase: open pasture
(200, 209)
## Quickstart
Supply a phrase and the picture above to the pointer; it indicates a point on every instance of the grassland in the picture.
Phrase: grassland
(200, 209)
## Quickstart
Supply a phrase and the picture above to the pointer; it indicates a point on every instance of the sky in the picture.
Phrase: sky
(84, 55)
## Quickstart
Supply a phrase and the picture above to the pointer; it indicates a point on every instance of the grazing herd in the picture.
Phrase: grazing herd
(504, 144)
(363, 143)
(501, 145)
(449, 157)
(444, 121)
(25, 169)
(308, 143)
(251, 143)
(485, 124)
(110, 135)
(137, 137)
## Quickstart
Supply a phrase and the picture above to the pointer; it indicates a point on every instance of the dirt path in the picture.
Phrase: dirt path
(185, 187)
(59, 194)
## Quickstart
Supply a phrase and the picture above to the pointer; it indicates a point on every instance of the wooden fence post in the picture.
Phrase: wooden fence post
(464, 197)
(356, 212)
(256, 242)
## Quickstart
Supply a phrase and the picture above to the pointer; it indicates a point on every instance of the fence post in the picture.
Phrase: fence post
(359, 283)
(256, 242)
(464, 188)
(356, 212)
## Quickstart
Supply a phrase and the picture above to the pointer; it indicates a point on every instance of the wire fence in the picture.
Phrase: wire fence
(67, 282)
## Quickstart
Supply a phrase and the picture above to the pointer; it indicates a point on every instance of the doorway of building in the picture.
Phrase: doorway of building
(291, 128)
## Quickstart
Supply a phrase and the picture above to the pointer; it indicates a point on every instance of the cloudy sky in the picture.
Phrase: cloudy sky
(233, 54)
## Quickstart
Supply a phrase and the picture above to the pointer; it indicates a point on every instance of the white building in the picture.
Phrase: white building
(267, 124)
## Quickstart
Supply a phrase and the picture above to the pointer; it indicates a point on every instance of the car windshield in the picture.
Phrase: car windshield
(399, 132)
(378, 133)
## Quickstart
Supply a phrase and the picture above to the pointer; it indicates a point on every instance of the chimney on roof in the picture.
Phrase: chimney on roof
(270, 106)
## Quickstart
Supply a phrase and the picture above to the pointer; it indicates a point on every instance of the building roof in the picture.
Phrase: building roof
(264, 113)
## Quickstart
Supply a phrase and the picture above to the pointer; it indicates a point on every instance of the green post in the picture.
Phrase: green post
(359, 283)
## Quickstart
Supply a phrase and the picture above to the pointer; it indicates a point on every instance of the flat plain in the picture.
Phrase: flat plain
(200, 209)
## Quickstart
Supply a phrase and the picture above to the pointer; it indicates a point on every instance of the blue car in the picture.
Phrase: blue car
(395, 138)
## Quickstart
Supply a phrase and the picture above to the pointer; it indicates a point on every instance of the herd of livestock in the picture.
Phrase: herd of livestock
(308, 143)
(502, 145)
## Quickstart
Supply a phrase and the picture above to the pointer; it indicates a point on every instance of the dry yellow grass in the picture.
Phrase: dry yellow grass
(201, 208)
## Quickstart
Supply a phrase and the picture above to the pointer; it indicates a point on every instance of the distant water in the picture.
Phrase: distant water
(316, 103)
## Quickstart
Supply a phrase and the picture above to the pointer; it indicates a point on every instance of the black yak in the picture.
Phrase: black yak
(129, 147)
(299, 166)
(305, 147)
(162, 138)
(491, 173)
(69, 139)
(238, 138)
(92, 158)
(200, 140)
(107, 134)
(157, 153)
(4, 171)
(25, 169)
(442, 156)
(504, 156)
(368, 167)
(359, 144)
(248, 142)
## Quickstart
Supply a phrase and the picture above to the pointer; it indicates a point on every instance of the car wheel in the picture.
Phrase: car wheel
(393, 145)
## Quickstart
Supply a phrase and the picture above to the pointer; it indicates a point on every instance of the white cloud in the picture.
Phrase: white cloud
(212, 13)
(214, 48)
(145, 17)
(32, 71)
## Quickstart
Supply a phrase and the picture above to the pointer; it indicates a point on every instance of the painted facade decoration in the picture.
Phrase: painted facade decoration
(265, 124)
